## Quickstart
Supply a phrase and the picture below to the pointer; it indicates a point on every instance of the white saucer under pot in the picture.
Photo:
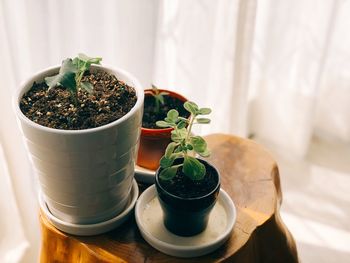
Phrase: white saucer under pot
(149, 219)
(96, 228)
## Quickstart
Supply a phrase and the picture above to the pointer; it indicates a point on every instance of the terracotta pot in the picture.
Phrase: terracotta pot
(187, 216)
(153, 142)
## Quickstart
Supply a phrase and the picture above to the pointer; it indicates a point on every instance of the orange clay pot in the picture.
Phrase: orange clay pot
(153, 142)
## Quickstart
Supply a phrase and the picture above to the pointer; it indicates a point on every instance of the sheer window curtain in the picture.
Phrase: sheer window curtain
(275, 69)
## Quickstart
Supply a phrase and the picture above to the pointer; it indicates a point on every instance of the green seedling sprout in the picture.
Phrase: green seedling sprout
(184, 143)
(71, 74)
(158, 97)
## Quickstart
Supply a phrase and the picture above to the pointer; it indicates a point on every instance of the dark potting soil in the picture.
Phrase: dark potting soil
(183, 186)
(55, 108)
(150, 116)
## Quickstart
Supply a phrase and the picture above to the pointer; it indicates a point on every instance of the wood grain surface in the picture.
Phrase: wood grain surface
(248, 174)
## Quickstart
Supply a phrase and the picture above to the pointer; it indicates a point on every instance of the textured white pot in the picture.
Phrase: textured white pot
(85, 175)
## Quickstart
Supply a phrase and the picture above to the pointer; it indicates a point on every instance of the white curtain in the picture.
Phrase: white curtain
(279, 70)
(294, 40)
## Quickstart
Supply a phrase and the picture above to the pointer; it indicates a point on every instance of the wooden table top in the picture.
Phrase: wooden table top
(248, 174)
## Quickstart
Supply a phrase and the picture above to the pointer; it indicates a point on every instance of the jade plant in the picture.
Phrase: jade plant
(158, 97)
(184, 144)
(71, 73)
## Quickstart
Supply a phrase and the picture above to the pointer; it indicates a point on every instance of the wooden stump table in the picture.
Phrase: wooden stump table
(248, 174)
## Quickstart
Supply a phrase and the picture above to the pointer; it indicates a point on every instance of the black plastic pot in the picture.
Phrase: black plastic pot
(187, 216)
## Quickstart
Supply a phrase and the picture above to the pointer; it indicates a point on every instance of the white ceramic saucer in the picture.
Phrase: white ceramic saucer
(92, 229)
(149, 219)
(144, 175)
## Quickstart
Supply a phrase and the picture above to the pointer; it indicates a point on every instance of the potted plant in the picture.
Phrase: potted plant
(154, 139)
(81, 123)
(187, 186)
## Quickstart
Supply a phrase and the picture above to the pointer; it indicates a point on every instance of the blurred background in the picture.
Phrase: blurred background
(275, 71)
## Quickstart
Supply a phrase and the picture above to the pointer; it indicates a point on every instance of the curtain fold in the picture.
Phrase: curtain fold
(16, 246)
(203, 51)
(291, 44)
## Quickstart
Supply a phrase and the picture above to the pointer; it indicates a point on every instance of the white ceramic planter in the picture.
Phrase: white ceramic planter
(85, 175)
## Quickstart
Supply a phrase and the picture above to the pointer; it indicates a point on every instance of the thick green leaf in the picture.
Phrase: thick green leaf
(189, 146)
(181, 125)
(87, 86)
(52, 81)
(205, 153)
(166, 162)
(191, 107)
(172, 116)
(168, 173)
(170, 149)
(164, 124)
(68, 66)
(66, 79)
(203, 120)
(178, 135)
(199, 144)
(204, 111)
(183, 119)
(193, 168)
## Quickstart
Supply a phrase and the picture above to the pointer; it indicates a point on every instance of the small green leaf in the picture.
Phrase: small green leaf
(88, 87)
(193, 168)
(168, 173)
(203, 120)
(205, 153)
(183, 119)
(189, 147)
(204, 111)
(179, 134)
(170, 149)
(66, 79)
(164, 124)
(191, 107)
(52, 81)
(181, 125)
(166, 162)
(199, 144)
(172, 115)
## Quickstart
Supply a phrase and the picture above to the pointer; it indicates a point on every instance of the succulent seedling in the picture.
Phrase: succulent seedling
(184, 143)
(158, 97)
(71, 73)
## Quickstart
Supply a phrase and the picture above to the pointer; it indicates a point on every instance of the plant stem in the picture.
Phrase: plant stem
(189, 129)
(78, 80)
